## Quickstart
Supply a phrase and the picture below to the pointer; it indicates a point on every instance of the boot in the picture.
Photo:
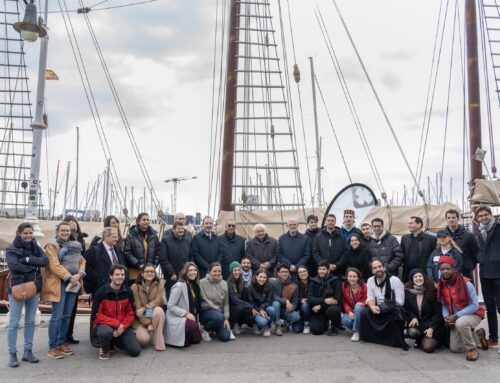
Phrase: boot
(13, 362)
(29, 357)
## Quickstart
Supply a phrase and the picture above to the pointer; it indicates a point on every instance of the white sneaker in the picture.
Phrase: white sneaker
(307, 330)
(355, 337)
(236, 329)
(205, 336)
(256, 330)
(244, 326)
(231, 336)
(267, 332)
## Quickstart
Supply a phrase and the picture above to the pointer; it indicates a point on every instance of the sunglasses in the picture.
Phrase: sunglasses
(231, 225)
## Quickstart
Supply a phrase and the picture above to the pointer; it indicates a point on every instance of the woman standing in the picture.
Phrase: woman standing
(358, 256)
(24, 259)
(183, 307)
(61, 283)
(141, 246)
(214, 314)
(148, 300)
(260, 294)
(241, 311)
(303, 325)
(445, 246)
(353, 301)
(425, 321)
(110, 221)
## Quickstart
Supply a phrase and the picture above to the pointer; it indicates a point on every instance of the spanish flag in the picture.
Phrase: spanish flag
(50, 75)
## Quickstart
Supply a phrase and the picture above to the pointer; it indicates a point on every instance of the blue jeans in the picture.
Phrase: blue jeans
(352, 324)
(213, 320)
(305, 316)
(289, 316)
(15, 309)
(263, 322)
(61, 314)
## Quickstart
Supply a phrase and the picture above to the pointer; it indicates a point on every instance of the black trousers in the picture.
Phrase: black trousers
(319, 321)
(126, 342)
(69, 333)
(491, 295)
(240, 315)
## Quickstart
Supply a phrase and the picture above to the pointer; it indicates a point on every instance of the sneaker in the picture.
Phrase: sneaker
(205, 336)
(355, 337)
(492, 343)
(332, 331)
(256, 330)
(285, 327)
(55, 353)
(278, 331)
(65, 350)
(244, 326)
(231, 336)
(472, 355)
(104, 353)
(267, 332)
(307, 329)
(481, 334)
(236, 329)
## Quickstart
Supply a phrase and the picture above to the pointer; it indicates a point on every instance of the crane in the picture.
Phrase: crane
(175, 181)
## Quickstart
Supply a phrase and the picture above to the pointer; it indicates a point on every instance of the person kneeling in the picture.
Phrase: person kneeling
(353, 301)
(148, 299)
(285, 300)
(113, 314)
(461, 310)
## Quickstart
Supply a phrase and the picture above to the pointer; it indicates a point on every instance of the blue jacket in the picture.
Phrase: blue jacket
(489, 253)
(293, 250)
(433, 263)
(204, 251)
(230, 249)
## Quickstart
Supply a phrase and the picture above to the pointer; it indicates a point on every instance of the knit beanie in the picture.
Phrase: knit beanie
(446, 259)
(233, 265)
(415, 271)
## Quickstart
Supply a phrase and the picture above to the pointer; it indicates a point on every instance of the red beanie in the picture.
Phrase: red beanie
(446, 259)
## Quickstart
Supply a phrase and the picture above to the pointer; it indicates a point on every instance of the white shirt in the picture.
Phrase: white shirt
(110, 254)
(376, 294)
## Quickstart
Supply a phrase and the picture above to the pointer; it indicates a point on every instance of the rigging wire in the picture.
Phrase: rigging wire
(389, 124)
(91, 8)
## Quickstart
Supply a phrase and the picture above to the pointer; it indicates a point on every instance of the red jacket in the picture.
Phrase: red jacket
(450, 295)
(113, 308)
(347, 299)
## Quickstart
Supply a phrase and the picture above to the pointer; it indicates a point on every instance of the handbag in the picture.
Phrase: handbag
(23, 291)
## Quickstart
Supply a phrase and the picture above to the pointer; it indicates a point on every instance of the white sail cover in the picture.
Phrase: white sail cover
(486, 192)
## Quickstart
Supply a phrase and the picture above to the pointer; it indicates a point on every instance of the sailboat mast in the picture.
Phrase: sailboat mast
(226, 194)
(77, 165)
(318, 145)
(473, 101)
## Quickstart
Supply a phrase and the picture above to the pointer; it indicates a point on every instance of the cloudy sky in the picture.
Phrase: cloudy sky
(160, 56)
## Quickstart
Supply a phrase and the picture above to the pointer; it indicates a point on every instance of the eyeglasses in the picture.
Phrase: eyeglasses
(231, 225)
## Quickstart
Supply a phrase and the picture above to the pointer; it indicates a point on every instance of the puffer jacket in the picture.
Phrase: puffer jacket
(113, 308)
(330, 248)
(134, 253)
(387, 249)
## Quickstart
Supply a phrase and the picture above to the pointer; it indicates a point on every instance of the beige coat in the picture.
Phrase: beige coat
(144, 300)
(54, 274)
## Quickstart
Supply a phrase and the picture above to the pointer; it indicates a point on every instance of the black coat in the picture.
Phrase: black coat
(204, 251)
(133, 250)
(259, 299)
(360, 259)
(262, 251)
(489, 253)
(293, 250)
(97, 265)
(238, 299)
(429, 316)
(311, 264)
(24, 264)
(330, 248)
(426, 245)
(469, 246)
(388, 250)
(320, 289)
(231, 248)
(174, 253)
(187, 234)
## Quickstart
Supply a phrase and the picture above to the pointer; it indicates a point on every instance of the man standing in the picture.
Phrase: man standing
(417, 247)
(329, 246)
(179, 217)
(348, 227)
(261, 250)
(465, 240)
(461, 310)
(385, 247)
(113, 314)
(231, 247)
(366, 230)
(174, 253)
(311, 233)
(205, 247)
(293, 248)
(489, 270)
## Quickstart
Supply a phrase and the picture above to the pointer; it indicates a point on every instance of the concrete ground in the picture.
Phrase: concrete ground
(292, 357)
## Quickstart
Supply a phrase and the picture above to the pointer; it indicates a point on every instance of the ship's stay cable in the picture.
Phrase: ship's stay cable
(389, 124)
(350, 103)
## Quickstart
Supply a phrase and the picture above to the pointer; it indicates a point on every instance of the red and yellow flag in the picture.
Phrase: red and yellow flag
(50, 75)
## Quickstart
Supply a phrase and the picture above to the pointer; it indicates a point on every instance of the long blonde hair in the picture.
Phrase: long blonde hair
(453, 245)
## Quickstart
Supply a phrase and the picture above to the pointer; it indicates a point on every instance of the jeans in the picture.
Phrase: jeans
(491, 295)
(289, 316)
(352, 324)
(61, 314)
(305, 316)
(15, 309)
(213, 320)
(263, 322)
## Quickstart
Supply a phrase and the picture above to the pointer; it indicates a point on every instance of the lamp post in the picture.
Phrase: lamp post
(31, 28)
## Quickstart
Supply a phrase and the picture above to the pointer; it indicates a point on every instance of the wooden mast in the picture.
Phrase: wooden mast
(473, 101)
(226, 191)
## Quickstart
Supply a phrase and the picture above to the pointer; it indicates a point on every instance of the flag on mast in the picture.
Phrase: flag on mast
(50, 75)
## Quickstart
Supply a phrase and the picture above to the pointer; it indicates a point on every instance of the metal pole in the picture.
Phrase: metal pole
(38, 127)
(106, 192)
(318, 144)
(474, 99)
(68, 169)
(77, 165)
(174, 208)
(55, 190)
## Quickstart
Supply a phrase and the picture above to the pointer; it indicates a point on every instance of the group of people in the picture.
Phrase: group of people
(184, 288)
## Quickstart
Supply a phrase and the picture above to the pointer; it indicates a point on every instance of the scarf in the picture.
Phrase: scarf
(445, 250)
(247, 276)
(28, 249)
(462, 292)
(484, 229)
(419, 292)
(346, 229)
(381, 236)
(388, 289)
